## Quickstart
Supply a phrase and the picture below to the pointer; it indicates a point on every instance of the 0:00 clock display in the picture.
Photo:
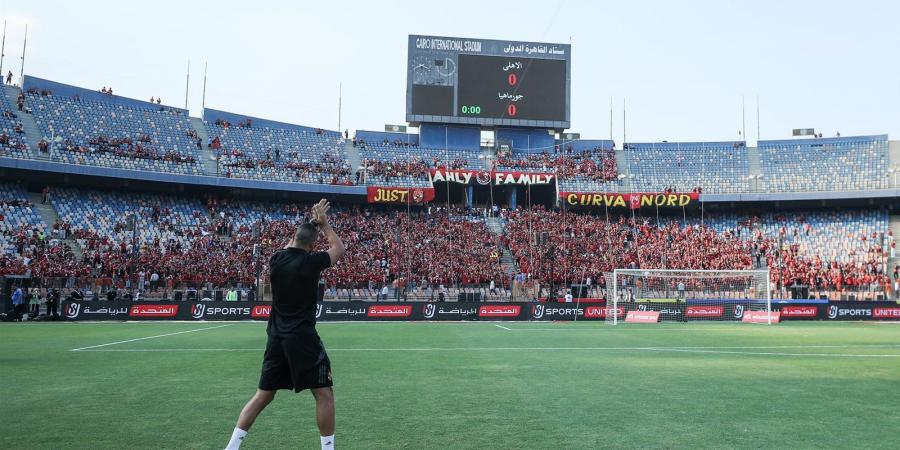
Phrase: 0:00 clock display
(471, 110)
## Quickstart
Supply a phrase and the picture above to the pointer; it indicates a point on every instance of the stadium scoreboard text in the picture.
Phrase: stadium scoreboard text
(487, 82)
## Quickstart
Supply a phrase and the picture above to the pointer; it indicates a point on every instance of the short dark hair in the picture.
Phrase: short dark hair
(306, 234)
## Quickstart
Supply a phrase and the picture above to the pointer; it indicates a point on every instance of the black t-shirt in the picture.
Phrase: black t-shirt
(294, 274)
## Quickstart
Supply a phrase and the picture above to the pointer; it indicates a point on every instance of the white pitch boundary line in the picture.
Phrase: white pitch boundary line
(839, 355)
(737, 350)
(146, 337)
(501, 326)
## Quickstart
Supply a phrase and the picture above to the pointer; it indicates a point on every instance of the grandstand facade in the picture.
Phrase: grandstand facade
(101, 192)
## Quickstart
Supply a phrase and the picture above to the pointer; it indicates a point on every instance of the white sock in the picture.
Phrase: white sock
(237, 436)
(327, 442)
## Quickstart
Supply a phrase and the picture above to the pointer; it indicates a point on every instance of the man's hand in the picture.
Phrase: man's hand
(320, 212)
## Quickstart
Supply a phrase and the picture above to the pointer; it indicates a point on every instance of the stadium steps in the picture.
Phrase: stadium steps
(753, 165)
(49, 215)
(894, 226)
(352, 155)
(206, 154)
(507, 262)
(32, 132)
(623, 169)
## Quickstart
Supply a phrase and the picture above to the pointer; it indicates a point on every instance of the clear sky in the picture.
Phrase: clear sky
(682, 67)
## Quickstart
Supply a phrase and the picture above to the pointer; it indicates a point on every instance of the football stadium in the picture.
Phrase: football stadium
(553, 225)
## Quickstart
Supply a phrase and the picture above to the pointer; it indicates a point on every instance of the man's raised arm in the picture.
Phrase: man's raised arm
(335, 245)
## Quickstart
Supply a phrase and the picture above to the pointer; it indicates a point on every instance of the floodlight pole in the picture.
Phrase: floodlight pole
(3, 48)
(24, 46)
(187, 84)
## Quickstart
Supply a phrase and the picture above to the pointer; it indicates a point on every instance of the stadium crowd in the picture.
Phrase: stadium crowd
(224, 243)
(569, 248)
(597, 164)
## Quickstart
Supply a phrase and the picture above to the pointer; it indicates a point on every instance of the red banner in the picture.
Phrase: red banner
(810, 311)
(389, 311)
(499, 311)
(153, 310)
(634, 200)
(886, 313)
(261, 311)
(486, 177)
(377, 194)
(705, 311)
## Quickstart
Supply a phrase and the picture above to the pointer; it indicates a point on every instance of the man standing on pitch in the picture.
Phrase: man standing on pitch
(295, 357)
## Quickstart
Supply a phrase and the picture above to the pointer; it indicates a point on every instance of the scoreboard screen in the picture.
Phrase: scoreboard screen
(488, 83)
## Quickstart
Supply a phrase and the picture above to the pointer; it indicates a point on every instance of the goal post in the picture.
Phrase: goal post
(688, 295)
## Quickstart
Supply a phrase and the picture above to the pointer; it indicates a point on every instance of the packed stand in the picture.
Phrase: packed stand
(420, 249)
(832, 253)
(406, 164)
(826, 250)
(584, 170)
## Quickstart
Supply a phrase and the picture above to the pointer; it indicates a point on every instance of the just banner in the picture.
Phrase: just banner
(434, 311)
(634, 200)
(375, 194)
(485, 177)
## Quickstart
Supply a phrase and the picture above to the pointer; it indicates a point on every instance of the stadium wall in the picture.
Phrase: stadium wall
(432, 135)
(527, 139)
(377, 137)
(587, 144)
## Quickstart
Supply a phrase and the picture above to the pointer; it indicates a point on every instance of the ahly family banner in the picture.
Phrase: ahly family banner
(634, 200)
(484, 177)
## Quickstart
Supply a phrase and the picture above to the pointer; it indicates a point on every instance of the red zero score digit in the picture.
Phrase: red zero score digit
(512, 79)
(511, 110)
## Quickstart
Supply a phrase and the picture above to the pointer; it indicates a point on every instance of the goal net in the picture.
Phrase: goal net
(688, 295)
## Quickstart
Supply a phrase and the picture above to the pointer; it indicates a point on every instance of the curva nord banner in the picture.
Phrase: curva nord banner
(635, 200)
(486, 177)
(375, 194)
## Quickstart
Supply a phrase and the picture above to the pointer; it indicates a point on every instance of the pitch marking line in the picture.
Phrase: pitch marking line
(501, 326)
(81, 349)
(741, 350)
(839, 355)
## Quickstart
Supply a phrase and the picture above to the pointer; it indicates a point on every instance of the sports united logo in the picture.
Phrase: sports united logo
(429, 310)
(738, 311)
(832, 312)
(73, 310)
(537, 311)
(198, 311)
(318, 310)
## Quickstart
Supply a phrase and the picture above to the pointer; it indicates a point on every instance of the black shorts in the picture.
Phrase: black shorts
(296, 363)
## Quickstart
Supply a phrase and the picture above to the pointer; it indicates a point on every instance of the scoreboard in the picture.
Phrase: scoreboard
(487, 82)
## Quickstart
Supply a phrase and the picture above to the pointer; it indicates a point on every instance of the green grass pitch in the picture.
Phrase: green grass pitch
(459, 386)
